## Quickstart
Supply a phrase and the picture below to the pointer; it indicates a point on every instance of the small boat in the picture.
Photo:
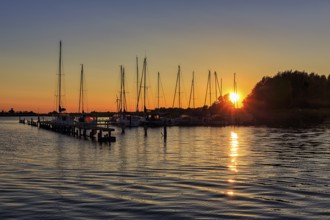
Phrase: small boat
(153, 120)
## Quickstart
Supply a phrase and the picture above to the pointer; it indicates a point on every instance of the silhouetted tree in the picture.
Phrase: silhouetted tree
(288, 90)
(289, 98)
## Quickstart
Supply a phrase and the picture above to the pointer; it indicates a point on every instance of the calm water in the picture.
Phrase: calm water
(199, 173)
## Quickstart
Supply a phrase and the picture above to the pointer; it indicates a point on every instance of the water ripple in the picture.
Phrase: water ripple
(199, 173)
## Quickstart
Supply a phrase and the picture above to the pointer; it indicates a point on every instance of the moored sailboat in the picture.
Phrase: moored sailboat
(61, 117)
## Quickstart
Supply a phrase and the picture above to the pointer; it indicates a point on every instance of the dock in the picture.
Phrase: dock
(87, 131)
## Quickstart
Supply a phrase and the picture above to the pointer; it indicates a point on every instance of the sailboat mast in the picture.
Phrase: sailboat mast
(60, 79)
(176, 87)
(207, 88)
(158, 90)
(124, 92)
(192, 92)
(121, 90)
(137, 84)
(145, 83)
(179, 77)
(81, 93)
(193, 82)
(210, 87)
(215, 85)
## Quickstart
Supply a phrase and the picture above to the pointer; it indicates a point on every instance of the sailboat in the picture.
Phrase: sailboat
(123, 119)
(61, 116)
(83, 117)
(150, 119)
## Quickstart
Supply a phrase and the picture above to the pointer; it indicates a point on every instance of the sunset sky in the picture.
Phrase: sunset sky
(252, 38)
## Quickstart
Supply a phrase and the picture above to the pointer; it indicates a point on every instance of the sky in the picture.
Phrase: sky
(252, 38)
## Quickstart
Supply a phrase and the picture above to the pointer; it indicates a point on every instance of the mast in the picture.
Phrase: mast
(124, 91)
(122, 97)
(177, 84)
(145, 84)
(121, 90)
(59, 97)
(144, 81)
(179, 87)
(217, 86)
(137, 84)
(192, 91)
(208, 88)
(158, 90)
(60, 79)
(235, 90)
(81, 92)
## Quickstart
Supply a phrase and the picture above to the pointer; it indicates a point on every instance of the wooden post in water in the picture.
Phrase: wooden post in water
(99, 136)
(165, 131)
(145, 130)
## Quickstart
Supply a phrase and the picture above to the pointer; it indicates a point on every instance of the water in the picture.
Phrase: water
(199, 173)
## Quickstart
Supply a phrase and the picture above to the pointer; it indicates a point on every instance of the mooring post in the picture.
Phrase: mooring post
(99, 136)
(165, 131)
(123, 129)
(145, 130)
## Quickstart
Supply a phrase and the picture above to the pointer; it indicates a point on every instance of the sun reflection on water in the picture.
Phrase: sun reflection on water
(233, 154)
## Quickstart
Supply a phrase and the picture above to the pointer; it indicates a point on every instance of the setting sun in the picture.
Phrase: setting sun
(234, 97)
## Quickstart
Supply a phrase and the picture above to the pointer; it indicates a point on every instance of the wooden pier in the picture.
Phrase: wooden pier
(76, 129)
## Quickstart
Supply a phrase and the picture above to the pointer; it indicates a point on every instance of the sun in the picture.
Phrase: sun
(234, 97)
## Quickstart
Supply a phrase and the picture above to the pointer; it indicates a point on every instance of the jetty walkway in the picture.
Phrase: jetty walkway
(76, 129)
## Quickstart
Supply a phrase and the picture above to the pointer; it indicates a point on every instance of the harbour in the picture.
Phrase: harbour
(164, 110)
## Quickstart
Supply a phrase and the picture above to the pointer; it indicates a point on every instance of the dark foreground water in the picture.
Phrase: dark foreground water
(199, 173)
